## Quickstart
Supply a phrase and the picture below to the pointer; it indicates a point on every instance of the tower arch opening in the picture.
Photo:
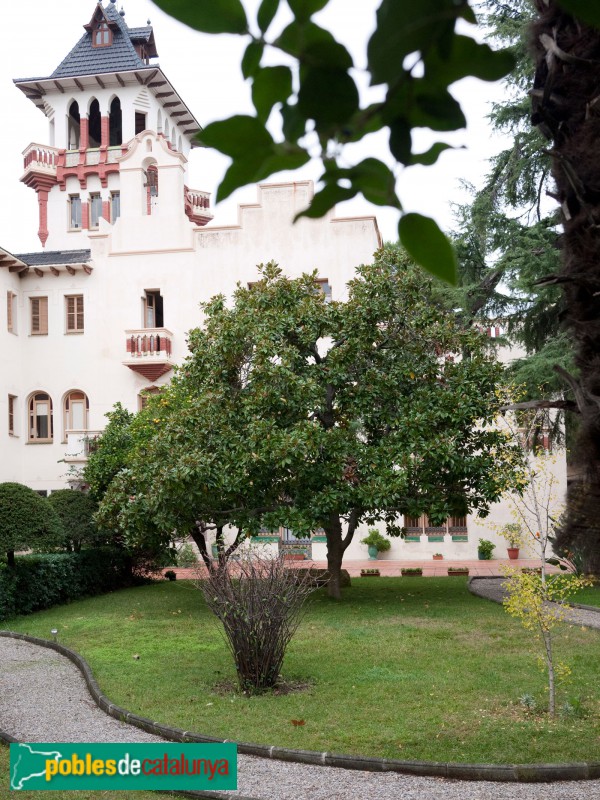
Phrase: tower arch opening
(115, 123)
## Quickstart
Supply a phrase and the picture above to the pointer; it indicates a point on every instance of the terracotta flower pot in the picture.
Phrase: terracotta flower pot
(513, 552)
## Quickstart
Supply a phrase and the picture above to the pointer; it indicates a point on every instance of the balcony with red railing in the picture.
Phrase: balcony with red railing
(197, 206)
(149, 351)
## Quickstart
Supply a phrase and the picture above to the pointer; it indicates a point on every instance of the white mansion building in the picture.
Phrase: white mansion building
(99, 314)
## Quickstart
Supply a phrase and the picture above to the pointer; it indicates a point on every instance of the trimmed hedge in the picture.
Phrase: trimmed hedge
(42, 581)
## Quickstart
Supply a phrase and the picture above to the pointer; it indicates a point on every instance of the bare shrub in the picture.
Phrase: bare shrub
(259, 601)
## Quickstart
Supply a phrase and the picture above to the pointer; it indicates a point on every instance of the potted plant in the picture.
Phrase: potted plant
(458, 571)
(411, 572)
(513, 533)
(437, 556)
(485, 550)
(369, 573)
(376, 543)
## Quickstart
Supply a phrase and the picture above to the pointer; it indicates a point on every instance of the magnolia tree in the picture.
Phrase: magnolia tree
(538, 599)
(294, 411)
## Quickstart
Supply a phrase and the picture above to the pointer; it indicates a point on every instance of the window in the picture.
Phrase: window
(75, 412)
(140, 122)
(153, 309)
(40, 418)
(39, 316)
(74, 212)
(145, 395)
(74, 313)
(115, 206)
(11, 312)
(102, 36)
(11, 414)
(324, 288)
(95, 209)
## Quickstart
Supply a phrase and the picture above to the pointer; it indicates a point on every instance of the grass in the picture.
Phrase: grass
(417, 669)
(588, 597)
(60, 795)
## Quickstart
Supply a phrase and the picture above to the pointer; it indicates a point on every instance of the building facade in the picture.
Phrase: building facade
(128, 251)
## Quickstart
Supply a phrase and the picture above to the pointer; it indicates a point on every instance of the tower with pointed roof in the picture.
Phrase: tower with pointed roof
(103, 94)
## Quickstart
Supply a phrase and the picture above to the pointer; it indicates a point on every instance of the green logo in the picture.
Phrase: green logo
(123, 766)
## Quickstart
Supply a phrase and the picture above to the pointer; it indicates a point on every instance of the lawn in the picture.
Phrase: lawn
(410, 668)
(589, 596)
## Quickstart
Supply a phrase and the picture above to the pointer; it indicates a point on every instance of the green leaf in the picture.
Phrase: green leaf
(376, 181)
(405, 27)
(327, 95)
(401, 140)
(425, 242)
(584, 10)
(437, 110)
(236, 136)
(467, 57)
(266, 13)
(313, 46)
(326, 199)
(216, 16)
(294, 123)
(251, 59)
(271, 85)
(430, 156)
(304, 9)
(257, 164)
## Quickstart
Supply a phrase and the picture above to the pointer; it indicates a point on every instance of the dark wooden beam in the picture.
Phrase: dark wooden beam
(171, 105)
(70, 270)
(78, 84)
(87, 269)
(139, 79)
(54, 271)
(40, 89)
(120, 79)
(156, 84)
(38, 272)
(59, 86)
(179, 114)
(165, 94)
(149, 78)
(102, 86)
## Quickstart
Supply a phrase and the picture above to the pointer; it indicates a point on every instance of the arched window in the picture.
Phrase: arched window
(95, 126)
(151, 184)
(102, 36)
(75, 412)
(40, 418)
(115, 124)
(73, 126)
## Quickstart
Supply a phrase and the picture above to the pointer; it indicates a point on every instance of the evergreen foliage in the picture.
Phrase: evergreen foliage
(27, 520)
(76, 511)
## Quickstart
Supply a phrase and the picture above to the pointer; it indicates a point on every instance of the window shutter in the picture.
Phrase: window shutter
(9, 310)
(79, 305)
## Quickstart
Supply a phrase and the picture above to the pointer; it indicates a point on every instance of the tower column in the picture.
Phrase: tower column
(43, 209)
(84, 133)
(104, 131)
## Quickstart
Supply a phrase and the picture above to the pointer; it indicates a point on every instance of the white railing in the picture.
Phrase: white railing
(41, 157)
(79, 443)
(149, 343)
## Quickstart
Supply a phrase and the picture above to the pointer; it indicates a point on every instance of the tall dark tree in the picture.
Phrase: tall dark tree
(566, 109)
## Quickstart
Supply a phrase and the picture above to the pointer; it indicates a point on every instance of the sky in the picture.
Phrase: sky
(205, 71)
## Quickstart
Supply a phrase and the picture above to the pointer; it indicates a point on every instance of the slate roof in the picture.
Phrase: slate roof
(53, 257)
(120, 56)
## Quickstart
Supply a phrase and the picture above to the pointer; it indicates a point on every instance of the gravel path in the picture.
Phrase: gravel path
(491, 589)
(44, 698)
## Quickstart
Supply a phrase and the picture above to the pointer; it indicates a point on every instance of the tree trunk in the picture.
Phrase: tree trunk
(10, 558)
(200, 540)
(335, 554)
(564, 107)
